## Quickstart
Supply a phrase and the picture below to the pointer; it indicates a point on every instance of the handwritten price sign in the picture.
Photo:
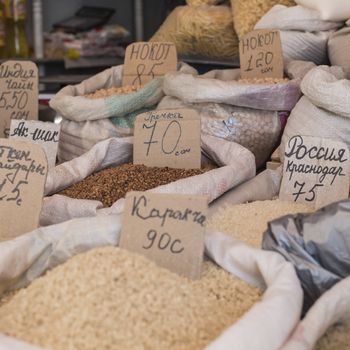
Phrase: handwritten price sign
(23, 170)
(260, 54)
(18, 93)
(168, 229)
(145, 61)
(315, 171)
(168, 138)
(45, 134)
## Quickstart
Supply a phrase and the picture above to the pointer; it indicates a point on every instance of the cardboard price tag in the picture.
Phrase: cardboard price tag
(315, 171)
(145, 61)
(23, 170)
(168, 229)
(168, 138)
(45, 134)
(18, 93)
(260, 54)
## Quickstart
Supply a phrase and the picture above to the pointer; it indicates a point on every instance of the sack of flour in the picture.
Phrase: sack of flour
(304, 35)
(245, 112)
(96, 109)
(324, 110)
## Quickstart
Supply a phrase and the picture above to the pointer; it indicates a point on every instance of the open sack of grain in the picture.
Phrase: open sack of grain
(100, 108)
(200, 30)
(108, 297)
(242, 111)
(235, 164)
(246, 13)
(339, 48)
(324, 110)
(304, 35)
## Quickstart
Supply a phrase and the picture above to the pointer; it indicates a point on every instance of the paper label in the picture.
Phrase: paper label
(145, 61)
(45, 134)
(18, 93)
(23, 170)
(167, 229)
(261, 56)
(168, 138)
(315, 171)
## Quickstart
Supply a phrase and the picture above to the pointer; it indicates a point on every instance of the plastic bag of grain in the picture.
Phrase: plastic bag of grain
(47, 247)
(339, 48)
(236, 165)
(246, 13)
(326, 326)
(324, 110)
(99, 108)
(335, 10)
(200, 30)
(235, 110)
(304, 35)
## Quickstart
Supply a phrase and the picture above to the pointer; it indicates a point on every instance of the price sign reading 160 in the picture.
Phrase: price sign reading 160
(168, 138)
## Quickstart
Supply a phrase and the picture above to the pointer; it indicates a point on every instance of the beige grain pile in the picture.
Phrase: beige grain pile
(248, 222)
(337, 338)
(246, 13)
(109, 298)
(200, 30)
(103, 93)
(263, 81)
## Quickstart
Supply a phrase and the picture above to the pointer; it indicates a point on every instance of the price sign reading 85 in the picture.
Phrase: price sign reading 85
(168, 138)
(260, 54)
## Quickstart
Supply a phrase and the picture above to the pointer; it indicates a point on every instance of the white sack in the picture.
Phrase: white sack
(332, 307)
(339, 48)
(45, 248)
(269, 322)
(254, 129)
(223, 87)
(304, 35)
(330, 10)
(324, 111)
(237, 165)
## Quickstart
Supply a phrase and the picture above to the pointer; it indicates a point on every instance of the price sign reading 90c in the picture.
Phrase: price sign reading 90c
(168, 138)
(18, 93)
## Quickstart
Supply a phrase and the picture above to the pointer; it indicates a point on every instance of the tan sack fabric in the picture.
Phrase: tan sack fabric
(339, 48)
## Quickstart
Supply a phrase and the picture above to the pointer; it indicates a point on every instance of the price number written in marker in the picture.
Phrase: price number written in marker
(18, 93)
(315, 171)
(168, 138)
(168, 229)
(145, 61)
(261, 54)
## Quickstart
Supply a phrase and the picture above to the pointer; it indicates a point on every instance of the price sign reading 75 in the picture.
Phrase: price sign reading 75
(168, 138)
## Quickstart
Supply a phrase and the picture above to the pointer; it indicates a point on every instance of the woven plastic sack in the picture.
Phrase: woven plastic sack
(246, 13)
(324, 110)
(88, 121)
(339, 48)
(333, 10)
(44, 248)
(200, 30)
(236, 165)
(222, 86)
(304, 35)
(253, 129)
(331, 308)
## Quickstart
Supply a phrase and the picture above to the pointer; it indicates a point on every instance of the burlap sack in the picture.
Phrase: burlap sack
(236, 165)
(324, 110)
(304, 35)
